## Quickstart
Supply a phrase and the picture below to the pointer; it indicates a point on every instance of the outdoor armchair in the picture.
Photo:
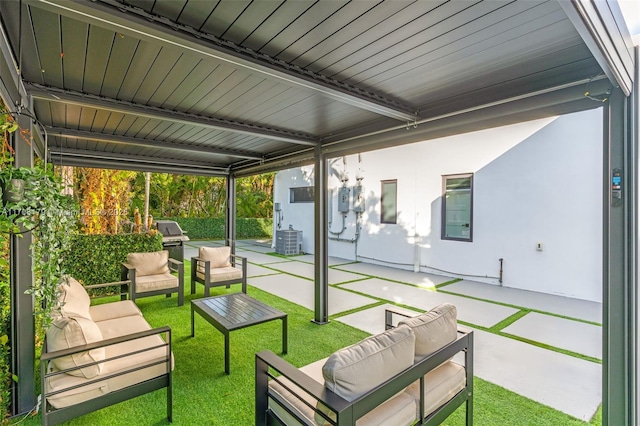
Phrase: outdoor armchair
(217, 266)
(151, 274)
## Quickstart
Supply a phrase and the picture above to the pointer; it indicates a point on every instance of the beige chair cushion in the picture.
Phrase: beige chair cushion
(70, 332)
(222, 274)
(219, 257)
(397, 411)
(440, 385)
(152, 263)
(355, 370)
(74, 300)
(433, 329)
(155, 282)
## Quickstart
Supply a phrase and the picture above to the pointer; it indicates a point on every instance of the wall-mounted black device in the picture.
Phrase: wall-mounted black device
(616, 187)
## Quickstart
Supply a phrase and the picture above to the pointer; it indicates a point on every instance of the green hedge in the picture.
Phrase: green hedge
(96, 259)
(213, 228)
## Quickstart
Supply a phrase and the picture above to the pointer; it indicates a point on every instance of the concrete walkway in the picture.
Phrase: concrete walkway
(555, 378)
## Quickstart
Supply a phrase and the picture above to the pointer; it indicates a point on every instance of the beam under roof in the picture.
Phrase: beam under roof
(147, 143)
(86, 157)
(145, 26)
(71, 97)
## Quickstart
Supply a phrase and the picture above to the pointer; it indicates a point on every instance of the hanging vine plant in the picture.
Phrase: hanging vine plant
(42, 210)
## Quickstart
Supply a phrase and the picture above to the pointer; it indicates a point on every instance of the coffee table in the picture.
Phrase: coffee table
(235, 311)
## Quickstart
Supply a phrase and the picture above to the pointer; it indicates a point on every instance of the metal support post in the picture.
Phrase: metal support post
(321, 307)
(619, 261)
(230, 223)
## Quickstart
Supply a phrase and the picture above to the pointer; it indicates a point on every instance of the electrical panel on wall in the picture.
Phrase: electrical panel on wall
(358, 199)
(343, 199)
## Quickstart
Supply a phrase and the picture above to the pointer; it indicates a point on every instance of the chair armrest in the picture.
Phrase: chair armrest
(47, 356)
(128, 266)
(123, 285)
(266, 360)
(174, 262)
(388, 317)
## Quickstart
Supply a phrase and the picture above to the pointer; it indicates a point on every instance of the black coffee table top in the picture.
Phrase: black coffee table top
(236, 310)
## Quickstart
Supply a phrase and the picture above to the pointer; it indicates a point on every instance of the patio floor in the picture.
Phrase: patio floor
(550, 374)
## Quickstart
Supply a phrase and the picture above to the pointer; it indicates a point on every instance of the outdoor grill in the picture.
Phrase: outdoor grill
(173, 238)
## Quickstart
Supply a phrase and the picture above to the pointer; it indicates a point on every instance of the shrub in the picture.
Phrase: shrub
(213, 228)
(96, 259)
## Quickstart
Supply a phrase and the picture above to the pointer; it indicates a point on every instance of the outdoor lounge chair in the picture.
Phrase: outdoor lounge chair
(151, 274)
(217, 266)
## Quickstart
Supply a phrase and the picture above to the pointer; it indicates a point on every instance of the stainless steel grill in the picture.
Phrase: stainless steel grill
(173, 238)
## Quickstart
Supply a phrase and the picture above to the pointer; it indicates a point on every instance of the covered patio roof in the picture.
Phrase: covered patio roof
(222, 87)
(234, 88)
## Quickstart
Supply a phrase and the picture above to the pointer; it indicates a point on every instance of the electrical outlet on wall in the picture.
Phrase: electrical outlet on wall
(539, 246)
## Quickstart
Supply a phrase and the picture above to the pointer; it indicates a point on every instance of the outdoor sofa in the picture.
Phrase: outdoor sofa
(96, 356)
(402, 376)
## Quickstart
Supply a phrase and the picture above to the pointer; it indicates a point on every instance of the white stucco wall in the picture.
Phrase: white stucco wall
(534, 182)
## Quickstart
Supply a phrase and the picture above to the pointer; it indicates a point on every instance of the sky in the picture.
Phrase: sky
(631, 11)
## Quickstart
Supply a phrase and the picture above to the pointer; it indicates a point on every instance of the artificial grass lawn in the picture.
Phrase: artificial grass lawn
(204, 395)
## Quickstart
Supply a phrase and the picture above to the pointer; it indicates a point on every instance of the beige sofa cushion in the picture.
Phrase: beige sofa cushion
(433, 329)
(151, 263)
(69, 332)
(89, 389)
(219, 257)
(156, 282)
(440, 385)
(119, 309)
(355, 370)
(397, 411)
(73, 298)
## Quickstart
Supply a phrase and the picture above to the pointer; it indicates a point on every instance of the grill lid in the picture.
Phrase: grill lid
(171, 231)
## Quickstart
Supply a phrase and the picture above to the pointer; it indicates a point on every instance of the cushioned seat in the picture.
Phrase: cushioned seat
(151, 274)
(378, 380)
(217, 266)
(136, 359)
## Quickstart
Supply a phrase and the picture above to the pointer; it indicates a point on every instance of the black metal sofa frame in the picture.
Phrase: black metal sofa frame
(52, 416)
(347, 413)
